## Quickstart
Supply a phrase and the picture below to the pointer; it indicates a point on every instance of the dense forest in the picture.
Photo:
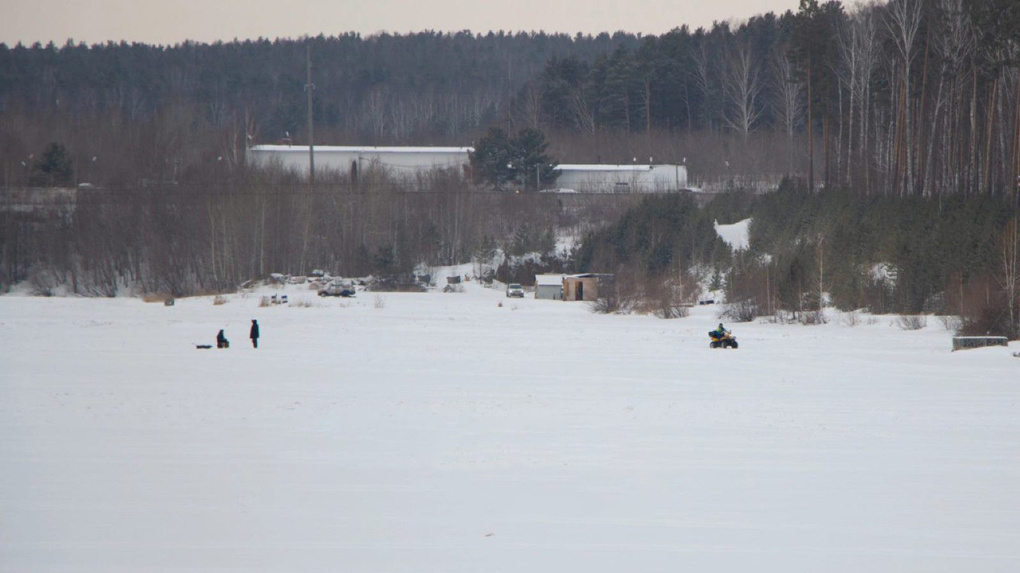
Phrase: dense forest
(914, 102)
(907, 97)
(157, 111)
(955, 256)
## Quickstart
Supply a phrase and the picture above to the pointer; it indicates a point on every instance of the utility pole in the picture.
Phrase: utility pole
(311, 124)
(311, 160)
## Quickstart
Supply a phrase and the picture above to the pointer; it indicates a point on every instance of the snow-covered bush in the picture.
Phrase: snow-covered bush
(813, 317)
(912, 321)
(741, 311)
(611, 305)
(668, 312)
(851, 318)
(951, 322)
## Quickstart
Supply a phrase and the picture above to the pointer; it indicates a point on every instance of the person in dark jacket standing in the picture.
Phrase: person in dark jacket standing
(254, 333)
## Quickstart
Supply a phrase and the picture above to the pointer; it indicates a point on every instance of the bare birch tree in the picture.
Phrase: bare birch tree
(953, 45)
(702, 77)
(858, 50)
(584, 116)
(902, 24)
(788, 105)
(742, 86)
(1009, 276)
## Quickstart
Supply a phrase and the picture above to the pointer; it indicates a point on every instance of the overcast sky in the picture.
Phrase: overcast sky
(173, 21)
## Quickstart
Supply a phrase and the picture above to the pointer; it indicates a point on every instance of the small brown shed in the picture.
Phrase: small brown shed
(584, 286)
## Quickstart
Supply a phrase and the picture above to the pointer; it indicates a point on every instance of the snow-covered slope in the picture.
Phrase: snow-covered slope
(444, 432)
(735, 235)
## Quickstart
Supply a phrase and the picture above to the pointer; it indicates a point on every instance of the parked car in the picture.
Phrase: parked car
(337, 290)
(514, 290)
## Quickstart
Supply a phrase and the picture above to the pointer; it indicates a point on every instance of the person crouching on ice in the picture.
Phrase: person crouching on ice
(221, 340)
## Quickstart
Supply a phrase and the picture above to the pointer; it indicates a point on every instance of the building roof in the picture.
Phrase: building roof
(549, 280)
(599, 167)
(362, 149)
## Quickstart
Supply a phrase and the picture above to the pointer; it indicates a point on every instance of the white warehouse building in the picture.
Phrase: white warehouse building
(412, 161)
(400, 161)
(622, 178)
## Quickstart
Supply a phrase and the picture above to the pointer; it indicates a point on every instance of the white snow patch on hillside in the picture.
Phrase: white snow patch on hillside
(884, 272)
(471, 432)
(735, 235)
(565, 242)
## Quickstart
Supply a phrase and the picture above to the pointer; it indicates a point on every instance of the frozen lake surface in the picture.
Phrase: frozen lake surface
(445, 433)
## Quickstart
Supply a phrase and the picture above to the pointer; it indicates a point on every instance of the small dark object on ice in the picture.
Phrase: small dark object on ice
(203, 346)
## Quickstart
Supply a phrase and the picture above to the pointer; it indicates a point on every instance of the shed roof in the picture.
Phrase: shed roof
(549, 280)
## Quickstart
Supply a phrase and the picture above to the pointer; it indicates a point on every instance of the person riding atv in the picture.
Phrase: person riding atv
(722, 338)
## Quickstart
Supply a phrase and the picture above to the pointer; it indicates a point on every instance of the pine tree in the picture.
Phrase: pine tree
(53, 168)
(520, 162)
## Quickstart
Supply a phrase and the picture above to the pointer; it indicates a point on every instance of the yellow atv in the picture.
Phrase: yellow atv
(722, 339)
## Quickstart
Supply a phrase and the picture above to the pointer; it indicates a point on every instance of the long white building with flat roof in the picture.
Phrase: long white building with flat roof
(409, 162)
(621, 178)
(400, 161)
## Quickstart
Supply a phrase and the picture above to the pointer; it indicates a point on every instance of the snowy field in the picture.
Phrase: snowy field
(445, 433)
